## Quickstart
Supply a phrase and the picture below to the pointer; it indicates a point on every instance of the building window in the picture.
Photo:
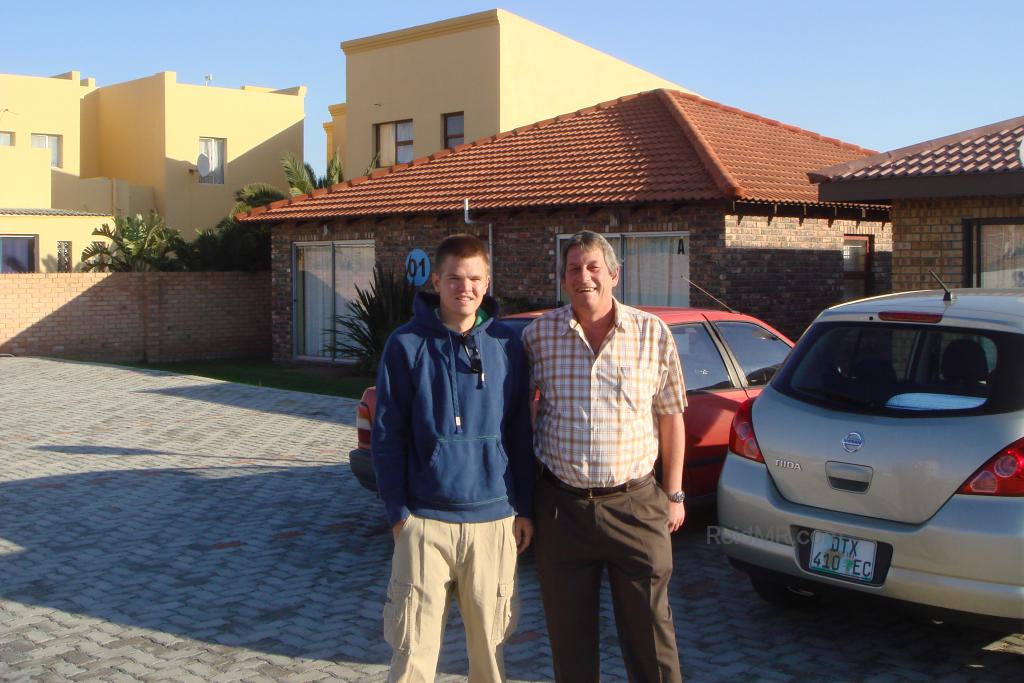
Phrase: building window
(654, 268)
(394, 143)
(995, 253)
(327, 275)
(52, 143)
(63, 257)
(17, 254)
(856, 266)
(211, 160)
(6, 138)
(453, 129)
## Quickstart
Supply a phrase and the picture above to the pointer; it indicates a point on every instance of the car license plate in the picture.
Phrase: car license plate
(852, 558)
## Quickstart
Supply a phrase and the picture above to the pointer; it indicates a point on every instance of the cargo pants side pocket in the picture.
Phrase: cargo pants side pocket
(400, 628)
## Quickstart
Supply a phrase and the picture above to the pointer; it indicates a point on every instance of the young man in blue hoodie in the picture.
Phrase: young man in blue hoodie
(453, 454)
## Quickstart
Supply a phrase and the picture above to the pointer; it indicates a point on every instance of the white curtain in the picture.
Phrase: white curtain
(656, 270)
(315, 299)
(386, 144)
(353, 265)
(213, 148)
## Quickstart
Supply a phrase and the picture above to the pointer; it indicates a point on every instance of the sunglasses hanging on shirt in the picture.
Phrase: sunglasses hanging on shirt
(473, 353)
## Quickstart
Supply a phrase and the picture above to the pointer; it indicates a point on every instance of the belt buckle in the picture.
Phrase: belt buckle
(590, 494)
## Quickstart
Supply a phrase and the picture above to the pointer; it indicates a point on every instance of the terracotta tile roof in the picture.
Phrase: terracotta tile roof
(655, 146)
(989, 149)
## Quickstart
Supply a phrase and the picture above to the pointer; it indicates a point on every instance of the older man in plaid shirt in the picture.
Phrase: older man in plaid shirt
(611, 399)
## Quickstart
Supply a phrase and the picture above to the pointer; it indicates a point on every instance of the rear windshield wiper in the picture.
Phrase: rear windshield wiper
(836, 397)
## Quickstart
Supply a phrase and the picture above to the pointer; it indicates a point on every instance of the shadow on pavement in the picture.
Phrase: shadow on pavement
(273, 559)
(263, 399)
(86, 449)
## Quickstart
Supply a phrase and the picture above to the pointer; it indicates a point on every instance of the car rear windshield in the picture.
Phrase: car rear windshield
(906, 370)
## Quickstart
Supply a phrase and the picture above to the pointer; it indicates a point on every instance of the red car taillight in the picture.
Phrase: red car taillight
(1002, 475)
(363, 425)
(741, 434)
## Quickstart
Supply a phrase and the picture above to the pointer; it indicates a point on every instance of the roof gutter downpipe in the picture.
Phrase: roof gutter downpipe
(490, 244)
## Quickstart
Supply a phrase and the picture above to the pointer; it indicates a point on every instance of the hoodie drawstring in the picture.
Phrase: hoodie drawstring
(483, 371)
(452, 385)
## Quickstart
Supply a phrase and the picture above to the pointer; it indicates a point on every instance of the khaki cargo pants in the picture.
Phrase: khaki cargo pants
(433, 561)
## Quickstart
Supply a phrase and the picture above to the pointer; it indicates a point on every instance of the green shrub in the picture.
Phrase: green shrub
(374, 314)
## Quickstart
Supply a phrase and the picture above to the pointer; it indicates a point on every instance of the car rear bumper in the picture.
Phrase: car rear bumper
(360, 461)
(965, 558)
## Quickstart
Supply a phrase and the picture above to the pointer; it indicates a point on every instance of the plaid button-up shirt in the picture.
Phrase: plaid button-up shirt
(597, 419)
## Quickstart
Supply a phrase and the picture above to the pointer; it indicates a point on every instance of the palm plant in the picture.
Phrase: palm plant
(256, 194)
(135, 244)
(302, 179)
(230, 246)
(374, 314)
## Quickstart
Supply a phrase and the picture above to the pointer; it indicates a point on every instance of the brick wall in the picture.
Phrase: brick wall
(929, 235)
(787, 269)
(783, 270)
(136, 316)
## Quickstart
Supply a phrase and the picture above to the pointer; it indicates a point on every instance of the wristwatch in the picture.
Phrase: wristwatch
(677, 497)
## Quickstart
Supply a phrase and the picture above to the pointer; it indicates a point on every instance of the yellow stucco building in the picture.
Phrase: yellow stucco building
(415, 91)
(73, 155)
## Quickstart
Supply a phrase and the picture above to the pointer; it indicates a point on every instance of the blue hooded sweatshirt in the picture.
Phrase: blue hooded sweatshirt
(449, 442)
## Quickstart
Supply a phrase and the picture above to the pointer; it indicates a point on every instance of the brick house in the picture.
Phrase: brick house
(687, 190)
(957, 205)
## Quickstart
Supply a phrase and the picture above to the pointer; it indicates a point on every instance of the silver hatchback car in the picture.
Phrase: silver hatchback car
(887, 458)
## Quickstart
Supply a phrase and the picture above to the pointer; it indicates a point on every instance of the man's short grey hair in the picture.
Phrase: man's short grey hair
(588, 241)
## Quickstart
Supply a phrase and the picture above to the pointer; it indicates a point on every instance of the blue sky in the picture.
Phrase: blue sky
(878, 74)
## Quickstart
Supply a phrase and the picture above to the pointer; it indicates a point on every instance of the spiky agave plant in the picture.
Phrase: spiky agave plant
(375, 313)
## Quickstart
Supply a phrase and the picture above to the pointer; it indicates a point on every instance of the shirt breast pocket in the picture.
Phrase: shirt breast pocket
(633, 388)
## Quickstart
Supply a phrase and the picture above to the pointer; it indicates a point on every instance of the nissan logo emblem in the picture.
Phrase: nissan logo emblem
(852, 442)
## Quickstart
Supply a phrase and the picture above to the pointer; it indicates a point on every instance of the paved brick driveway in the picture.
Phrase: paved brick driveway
(161, 527)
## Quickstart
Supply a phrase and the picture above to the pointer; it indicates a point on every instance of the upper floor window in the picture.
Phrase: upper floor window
(211, 160)
(6, 138)
(52, 143)
(394, 143)
(17, 254)
(454, 129)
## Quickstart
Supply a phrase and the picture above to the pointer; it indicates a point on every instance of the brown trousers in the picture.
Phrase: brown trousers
(576, 538)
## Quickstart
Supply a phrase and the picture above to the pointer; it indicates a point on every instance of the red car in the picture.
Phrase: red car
(727, 358)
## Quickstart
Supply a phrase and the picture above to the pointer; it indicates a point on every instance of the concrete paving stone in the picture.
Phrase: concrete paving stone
(133, 576)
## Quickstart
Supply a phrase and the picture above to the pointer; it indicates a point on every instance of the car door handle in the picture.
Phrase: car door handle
(846, 476)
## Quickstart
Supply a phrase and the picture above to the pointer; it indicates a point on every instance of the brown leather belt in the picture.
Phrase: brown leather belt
(596, 492)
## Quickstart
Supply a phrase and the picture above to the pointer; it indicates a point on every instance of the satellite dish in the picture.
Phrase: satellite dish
(203, 165)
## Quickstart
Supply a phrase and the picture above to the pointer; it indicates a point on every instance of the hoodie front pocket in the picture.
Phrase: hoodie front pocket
(464, 472)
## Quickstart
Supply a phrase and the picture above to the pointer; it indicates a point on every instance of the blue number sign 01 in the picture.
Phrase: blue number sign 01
(417, 267)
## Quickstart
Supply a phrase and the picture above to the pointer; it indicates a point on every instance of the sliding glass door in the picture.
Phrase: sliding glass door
(326, 277)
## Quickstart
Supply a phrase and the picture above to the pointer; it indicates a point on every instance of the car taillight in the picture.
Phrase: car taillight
(1002, 475)
(363, 425)
(741, 434)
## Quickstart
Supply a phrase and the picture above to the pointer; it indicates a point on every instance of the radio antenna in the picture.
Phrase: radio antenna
(948, 296)
(710, 295)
